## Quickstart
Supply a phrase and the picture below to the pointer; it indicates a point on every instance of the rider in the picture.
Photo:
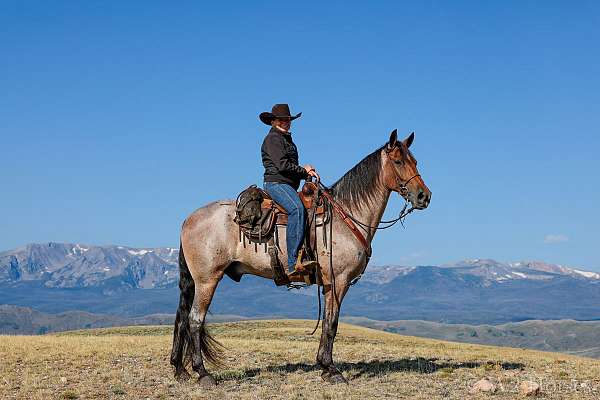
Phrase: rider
(282, 178)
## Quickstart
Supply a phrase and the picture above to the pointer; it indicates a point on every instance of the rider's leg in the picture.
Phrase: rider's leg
(287, 197)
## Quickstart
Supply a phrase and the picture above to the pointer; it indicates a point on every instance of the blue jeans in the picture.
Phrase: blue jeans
(287, 197)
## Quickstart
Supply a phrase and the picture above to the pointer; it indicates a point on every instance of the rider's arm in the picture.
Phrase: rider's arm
(274, 146)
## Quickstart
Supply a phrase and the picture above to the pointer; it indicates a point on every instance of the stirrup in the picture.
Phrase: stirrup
(304, 271)
(282, 280)
(303, 267)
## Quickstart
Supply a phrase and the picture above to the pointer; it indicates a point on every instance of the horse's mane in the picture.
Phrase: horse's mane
(358, 184)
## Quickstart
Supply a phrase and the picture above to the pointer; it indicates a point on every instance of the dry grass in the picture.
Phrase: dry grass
(275, 359)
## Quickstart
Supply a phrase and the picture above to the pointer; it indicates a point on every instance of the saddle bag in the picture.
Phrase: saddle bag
(254, 220)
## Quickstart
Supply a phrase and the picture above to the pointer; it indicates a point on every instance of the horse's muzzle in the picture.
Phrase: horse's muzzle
(422, 200)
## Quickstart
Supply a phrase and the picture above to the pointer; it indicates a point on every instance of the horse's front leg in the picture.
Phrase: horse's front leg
(333, 301)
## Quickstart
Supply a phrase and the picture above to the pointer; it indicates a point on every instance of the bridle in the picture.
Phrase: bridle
(346, 218)
(403, 191)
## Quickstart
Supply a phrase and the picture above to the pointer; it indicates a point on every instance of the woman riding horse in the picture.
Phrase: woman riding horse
(282, 178)
(210, 248)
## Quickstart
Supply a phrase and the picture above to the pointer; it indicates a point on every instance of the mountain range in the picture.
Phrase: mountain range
(133, 282)
(67, 265)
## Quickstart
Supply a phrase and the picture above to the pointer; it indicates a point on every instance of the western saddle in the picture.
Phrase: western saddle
(258, 217)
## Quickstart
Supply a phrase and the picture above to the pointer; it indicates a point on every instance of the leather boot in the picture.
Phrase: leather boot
(303, 267)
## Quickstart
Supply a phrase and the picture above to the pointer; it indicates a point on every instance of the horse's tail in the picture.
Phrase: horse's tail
(210, 348)
(181, 352)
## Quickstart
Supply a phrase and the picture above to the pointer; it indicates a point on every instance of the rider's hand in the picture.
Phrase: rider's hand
(312, 171)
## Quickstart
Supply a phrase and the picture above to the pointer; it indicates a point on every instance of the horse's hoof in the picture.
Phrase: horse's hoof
(207, 381)
(182, 375)
(333, 378)
(337, 379)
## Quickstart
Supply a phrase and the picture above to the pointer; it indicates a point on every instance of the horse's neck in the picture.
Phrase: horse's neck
(363, 194)
(371, 212)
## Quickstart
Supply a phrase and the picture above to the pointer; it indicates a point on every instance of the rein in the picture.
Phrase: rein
(349, 220)
(403, 190)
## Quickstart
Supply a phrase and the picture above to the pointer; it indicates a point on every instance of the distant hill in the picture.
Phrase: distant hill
(566, 336)
(276, 360)
(16, 320)
(132, 282)
(23, 320)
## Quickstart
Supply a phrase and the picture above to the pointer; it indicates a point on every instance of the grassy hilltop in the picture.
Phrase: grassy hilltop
(275, 359)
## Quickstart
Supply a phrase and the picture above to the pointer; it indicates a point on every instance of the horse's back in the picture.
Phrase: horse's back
(214, 212)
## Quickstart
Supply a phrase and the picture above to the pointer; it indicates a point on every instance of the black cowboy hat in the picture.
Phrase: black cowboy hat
(279, 111)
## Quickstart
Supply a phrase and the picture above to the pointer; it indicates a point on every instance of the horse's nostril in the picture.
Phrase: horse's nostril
(421, 195)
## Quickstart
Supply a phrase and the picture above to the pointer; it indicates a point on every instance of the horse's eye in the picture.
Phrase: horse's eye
(399, 162)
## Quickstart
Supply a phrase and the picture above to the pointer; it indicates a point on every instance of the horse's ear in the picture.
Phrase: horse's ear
(393, 139)
(408, 141)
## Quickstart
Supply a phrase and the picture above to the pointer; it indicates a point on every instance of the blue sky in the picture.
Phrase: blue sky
(119, 119)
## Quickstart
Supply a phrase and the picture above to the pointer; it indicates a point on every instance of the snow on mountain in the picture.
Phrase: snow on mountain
(73, 265)
(69, 265)
(587, 274)
(386, 273)
(531, 270)
(555, 269)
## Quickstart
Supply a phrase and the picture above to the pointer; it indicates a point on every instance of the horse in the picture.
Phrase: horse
(210, 248)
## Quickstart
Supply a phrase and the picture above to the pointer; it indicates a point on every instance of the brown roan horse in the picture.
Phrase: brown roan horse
(210, 248)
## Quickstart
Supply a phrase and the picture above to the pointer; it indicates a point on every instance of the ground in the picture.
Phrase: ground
(276, 359)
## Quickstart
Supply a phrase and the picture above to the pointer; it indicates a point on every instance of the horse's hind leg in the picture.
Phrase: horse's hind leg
(204, 346)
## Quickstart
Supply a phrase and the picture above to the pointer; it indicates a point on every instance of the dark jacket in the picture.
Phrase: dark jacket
(280, 159)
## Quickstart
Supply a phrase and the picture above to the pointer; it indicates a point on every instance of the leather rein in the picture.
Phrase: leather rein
(403, 191)
(351, 222)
